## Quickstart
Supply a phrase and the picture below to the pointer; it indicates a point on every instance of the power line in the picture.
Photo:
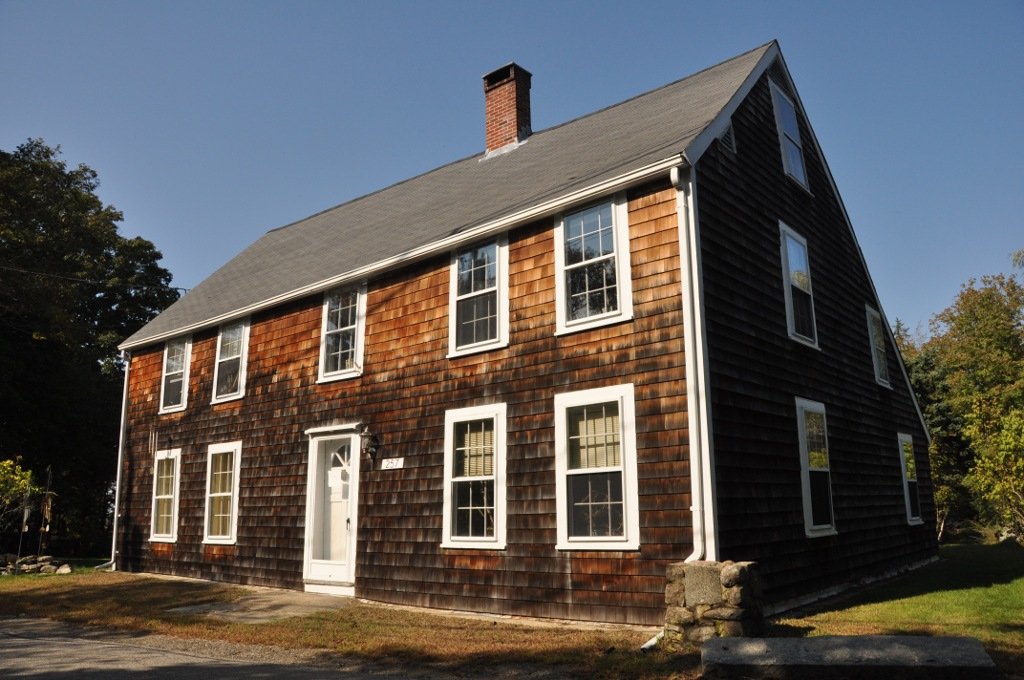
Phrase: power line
(74, 279)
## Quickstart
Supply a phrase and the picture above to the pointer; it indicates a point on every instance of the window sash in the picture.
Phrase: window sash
(165, 491)
(341, 325)
(879, 352)
(590, 262)
(816, 472)
(174, 369)
(798, 291)
(231, 342)
(596, 488)
(908, 464)
(789, 136)
(222, 492)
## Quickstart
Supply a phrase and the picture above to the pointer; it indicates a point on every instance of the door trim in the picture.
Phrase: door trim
(317, 435)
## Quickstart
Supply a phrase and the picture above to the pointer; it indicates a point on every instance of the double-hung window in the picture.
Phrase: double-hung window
(229, 371)
(816, 475)
(222, 467)
(789, 136)
(174, 384)
(166, 473)
(341, 335)
(474, 477)
(595, 468)
(876, 336)
(593, 283)
(796, 283)
(478, 298)
(908, 465)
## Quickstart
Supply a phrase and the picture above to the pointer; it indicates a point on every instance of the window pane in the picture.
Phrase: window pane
(231, 341)
(340, 351)
(474, 509)
(220, 516)
(172, 390)
(162, 519)
(787, 115)
(803, 313)
(164, 477)
(909, 461)
(220, 473)
(595, 504)
(795, 161)
(477, 319)
(592, 289)
(175, 357)
(589, 234)
(594, 436)
(796, 259)
(915, 500)
(821, 498)
(341, 309)
(478, 269)
(817, 445)
(227, 376)
(474, 449)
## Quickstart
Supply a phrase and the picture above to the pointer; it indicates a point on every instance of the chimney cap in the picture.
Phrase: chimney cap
(503, 74)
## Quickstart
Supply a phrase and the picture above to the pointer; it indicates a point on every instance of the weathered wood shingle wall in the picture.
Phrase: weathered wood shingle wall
(757, 371)
(403, 393)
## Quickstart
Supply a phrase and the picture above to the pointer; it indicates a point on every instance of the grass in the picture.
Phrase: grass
(974, 590)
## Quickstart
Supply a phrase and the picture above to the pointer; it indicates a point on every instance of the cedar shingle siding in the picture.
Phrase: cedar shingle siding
(757, 370)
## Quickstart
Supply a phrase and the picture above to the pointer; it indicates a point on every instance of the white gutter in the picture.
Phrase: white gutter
(702, 474)
(127, 358)
(445, 245)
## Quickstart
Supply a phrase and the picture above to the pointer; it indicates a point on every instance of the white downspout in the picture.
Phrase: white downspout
(127, 358)
(702, 474)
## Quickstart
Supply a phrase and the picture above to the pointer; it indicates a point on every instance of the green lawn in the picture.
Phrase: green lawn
(973, 590)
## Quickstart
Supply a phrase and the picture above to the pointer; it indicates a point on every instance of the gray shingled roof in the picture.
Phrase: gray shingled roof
(455, 198)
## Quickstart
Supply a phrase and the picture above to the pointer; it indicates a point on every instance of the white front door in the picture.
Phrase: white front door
(331, 505)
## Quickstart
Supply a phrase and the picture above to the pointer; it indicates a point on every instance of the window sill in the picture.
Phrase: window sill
(340, 375)
(622, 545)
(792, 178)
(224, 400)
(884, 384)
(473, 545)
(915, 521)
(813, 344)
(171, 409)
(163, 539)
(475, 349)
(819, 533)
(219, 541)
(596, 322)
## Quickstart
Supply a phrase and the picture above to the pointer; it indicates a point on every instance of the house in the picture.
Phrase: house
(527, 381)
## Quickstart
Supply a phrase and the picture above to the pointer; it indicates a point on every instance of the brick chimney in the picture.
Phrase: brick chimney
(507, 103)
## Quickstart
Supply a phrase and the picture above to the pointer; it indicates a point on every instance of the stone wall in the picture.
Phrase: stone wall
(705, 600)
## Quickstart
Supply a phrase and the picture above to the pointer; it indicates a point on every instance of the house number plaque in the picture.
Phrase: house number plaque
(392, 464)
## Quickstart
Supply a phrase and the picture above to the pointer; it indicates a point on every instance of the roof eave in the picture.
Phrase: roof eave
(489, 228)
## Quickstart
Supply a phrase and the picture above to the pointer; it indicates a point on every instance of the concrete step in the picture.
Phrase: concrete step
(893, 657)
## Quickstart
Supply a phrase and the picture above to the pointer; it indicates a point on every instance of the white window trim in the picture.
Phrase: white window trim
(778, 92)
(873, 316)
(623, 272)
(243, 362)
(235, 448)
(902, 439)
(786, 230)
(357, 369)
(175, 455)
(497, 413)
(810, 529)
(184, 377)
(501, 340)
(623, 394)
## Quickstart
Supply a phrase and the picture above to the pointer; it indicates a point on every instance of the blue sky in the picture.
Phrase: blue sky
(210, 123)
